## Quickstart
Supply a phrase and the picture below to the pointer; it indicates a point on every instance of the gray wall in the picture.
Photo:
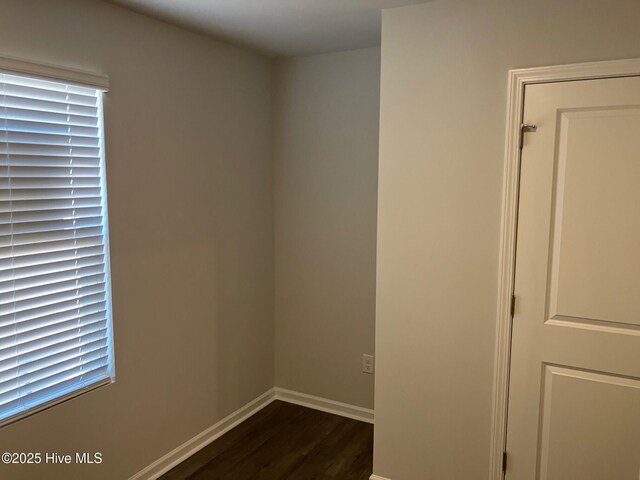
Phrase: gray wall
(188, 142)
(325, 177)
(443, 111)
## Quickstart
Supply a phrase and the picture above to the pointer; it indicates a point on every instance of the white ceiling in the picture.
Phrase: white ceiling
(278, 28)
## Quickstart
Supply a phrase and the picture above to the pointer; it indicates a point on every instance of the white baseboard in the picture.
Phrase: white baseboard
(325, 405)
(184, 451)
(376, 477)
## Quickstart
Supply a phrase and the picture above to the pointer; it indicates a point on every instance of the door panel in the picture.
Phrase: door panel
(574, 394)
(582, 439)
(596, 203)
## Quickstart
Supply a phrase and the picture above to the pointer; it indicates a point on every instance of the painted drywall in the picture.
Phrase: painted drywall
(443, 112)
(325, 183)
(188, 144)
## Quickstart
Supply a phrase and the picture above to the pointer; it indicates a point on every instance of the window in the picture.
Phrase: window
(55, 306)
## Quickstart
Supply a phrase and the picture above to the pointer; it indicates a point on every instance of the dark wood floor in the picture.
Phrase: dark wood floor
(285, 442)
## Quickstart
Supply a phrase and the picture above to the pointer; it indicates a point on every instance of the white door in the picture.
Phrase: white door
(574, 393)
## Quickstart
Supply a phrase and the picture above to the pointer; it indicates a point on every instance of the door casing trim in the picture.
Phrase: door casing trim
(518, 79)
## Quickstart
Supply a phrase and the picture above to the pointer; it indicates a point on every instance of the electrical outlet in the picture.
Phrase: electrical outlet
(368, 365)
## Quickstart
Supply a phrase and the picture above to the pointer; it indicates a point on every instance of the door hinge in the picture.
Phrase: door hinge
(504, 462)
(526, 128)
(513, 305)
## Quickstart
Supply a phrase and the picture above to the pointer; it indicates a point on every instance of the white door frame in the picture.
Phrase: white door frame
(518, 79)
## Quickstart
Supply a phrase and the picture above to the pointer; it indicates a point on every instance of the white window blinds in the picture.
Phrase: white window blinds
(55, 325)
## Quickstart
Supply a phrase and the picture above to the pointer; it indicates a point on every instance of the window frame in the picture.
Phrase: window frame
(99, 82)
